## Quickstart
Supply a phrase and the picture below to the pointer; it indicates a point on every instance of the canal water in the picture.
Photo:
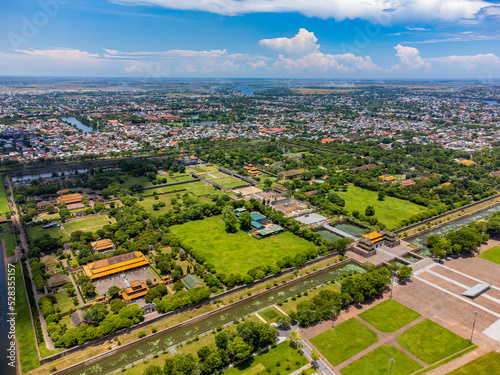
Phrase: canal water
(419, 240)
(162, 342)
(29, 177)
(78, 124)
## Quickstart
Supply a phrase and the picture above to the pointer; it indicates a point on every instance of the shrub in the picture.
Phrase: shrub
(141, 334)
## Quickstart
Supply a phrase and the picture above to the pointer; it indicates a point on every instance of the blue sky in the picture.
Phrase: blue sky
(336, 39)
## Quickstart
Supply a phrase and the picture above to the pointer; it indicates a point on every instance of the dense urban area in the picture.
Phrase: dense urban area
(185, 227)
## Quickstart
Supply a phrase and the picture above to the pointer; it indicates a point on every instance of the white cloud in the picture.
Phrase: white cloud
(380, 11)
(303, 43)
(410, 58)
(320, 62)
(480, 63)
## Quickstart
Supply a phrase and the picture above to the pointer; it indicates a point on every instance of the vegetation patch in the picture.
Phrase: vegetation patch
(431, 342)
(271, 315)
(492, 254)
(390, 212)
(377, 363)
(89, 223)
(237, 252)
(487, 364)
(389, 316)
(344, 341)
(10, 244)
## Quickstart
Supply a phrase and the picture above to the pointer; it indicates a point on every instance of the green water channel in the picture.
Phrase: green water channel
(139, 351)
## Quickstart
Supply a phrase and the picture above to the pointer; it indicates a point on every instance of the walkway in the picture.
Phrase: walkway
(339, 232)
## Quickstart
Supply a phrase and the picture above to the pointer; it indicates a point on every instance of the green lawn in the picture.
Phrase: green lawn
(344, 341)
(25, 336)
(268, 360)
(130, 181)
(166, 189)
(6, 226)
(391, 211)
(204, 190)
(203, 169)
(389, 316)
(38, 232)
(10, 243)
(148, 202)
(3, 199)
(492, 254)
(271, 315)
(91, 223)
(64, 302)
(237, 252)
(377, 363)
(485, 365)
(431, 342)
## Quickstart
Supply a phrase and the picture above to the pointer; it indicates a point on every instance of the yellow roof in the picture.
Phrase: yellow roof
(373, 236)
(110, 266)
(100, 245)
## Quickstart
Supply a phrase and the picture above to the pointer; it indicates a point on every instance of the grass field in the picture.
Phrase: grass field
(377, 363)
(205, 190)
(391, 211)
(271, 315)
(431, 342)
(3, 199)
(485, 365)
(130, 181)
(10, 244)
(344, 341)
(492, 254)
(203, 169)
(237, 252)
(268, 360)
(25, 336)
(64, 302)
(389, 316)
(38, 232)
(89, 223)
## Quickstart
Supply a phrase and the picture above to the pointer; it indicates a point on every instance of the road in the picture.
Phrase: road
(16, 224)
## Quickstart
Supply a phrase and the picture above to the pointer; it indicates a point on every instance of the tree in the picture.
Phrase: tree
(404, 272)
(295, 337)
(245, 221)
(114, 292)
(96, 314)
(50, 209)
(88, 289)
(315, 356)
(180, 364)
(153, 370)
(116, 305)
(369, 211)
(381, 195)
(230, 219)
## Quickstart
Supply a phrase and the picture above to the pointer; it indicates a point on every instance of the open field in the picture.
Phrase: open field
(390, 212)
(377, 363)
(237, 252)
(10, 243)
(389, 316)
(344, 341)
(431, 342)
(88, 223)
(64, 302)
(485, 365)
(38, 232)
(492, 254)
(25, 336)
(3, 199)
(205, 190)
(130, 181)
(269, 360)
(203, 169)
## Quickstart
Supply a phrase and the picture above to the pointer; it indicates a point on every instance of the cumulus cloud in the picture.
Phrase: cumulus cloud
(303, 43)
(320, 62)
(480, 63)
(379, 11)
(410, 58)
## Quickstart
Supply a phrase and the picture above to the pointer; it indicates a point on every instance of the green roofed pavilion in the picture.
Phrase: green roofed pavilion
(257, 217)
(190, 281)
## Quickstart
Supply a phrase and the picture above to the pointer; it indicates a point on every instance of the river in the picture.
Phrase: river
(419, 240)
(162, 342)
(249, 90)
(30, 177)
(78, 124)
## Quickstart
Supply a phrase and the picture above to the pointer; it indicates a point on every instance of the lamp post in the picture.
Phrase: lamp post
(392, 362)
(473, 325)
